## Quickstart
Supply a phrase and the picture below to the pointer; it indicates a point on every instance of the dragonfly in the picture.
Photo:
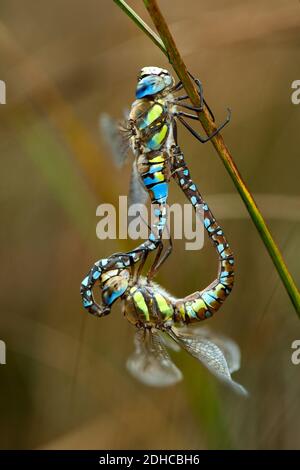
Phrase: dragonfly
(162, 320)
(150, 131)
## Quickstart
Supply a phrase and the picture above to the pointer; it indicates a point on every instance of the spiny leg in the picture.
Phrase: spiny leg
(184, 97)
(156, 266)
(152, 270)
(178, 86)
(209, 110)
(158, 260)
(201, 96)
(195, 133)
(141, 265)
(202, 99)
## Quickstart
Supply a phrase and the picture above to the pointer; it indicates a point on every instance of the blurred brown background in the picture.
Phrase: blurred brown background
(65, 384)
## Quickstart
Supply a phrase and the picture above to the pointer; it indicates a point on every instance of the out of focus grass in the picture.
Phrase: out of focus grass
(57, 170)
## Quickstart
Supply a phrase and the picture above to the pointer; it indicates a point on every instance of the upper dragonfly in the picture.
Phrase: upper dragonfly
(151, 133)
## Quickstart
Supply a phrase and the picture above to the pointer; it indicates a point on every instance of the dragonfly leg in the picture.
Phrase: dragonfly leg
(209, 110)
(143, 255)
(201, 96)
(188, 115)
(200, 90)
(178, 86)
(159, 260)
(189, 106)
(199, 86)
(141, 265)
(152, 270)
(202, 99)
(203, 140)
(180, 98)
(200, 93)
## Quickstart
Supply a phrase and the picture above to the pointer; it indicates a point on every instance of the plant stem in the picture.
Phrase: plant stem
(141, 24)
(170, 50)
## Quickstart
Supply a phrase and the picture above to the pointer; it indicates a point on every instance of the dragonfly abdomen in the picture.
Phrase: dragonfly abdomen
(153, 170)
(204, 304)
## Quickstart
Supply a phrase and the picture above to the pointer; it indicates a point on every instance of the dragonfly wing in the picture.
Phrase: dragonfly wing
(231, 352)
(137, 192)
(150, 363)
(209, 354)
(117, 138)
(169, 342)
(229, 348)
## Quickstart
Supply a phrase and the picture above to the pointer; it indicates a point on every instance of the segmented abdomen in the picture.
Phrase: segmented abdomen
(151, 123)
(202, 305)
(153, 171)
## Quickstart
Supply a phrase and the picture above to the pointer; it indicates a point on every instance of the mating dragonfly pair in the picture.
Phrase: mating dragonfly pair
(162, 320)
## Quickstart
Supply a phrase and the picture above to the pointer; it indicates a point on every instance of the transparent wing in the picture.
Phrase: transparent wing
(229, 348)
(150, 363)
(117, 138)
(209, 353)
(137, 192)
(169, 342)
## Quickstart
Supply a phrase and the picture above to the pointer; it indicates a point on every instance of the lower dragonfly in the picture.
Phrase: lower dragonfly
(151, 133)
(158, 316)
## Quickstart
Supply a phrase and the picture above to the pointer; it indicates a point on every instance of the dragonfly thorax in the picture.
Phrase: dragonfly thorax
(151, 121)
(145, 306)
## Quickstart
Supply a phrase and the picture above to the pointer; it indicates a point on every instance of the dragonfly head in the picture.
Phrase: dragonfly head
(153, 81)
(113, 285)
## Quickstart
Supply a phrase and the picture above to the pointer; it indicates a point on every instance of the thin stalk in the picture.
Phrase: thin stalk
(174, 57)
(141, 24)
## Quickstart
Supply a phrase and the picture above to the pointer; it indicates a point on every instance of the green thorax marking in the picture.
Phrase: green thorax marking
(148, 113)
(151, 120)
(165, 308)
(140, 304)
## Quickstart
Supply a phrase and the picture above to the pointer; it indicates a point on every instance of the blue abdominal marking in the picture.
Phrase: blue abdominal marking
(160, 191)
